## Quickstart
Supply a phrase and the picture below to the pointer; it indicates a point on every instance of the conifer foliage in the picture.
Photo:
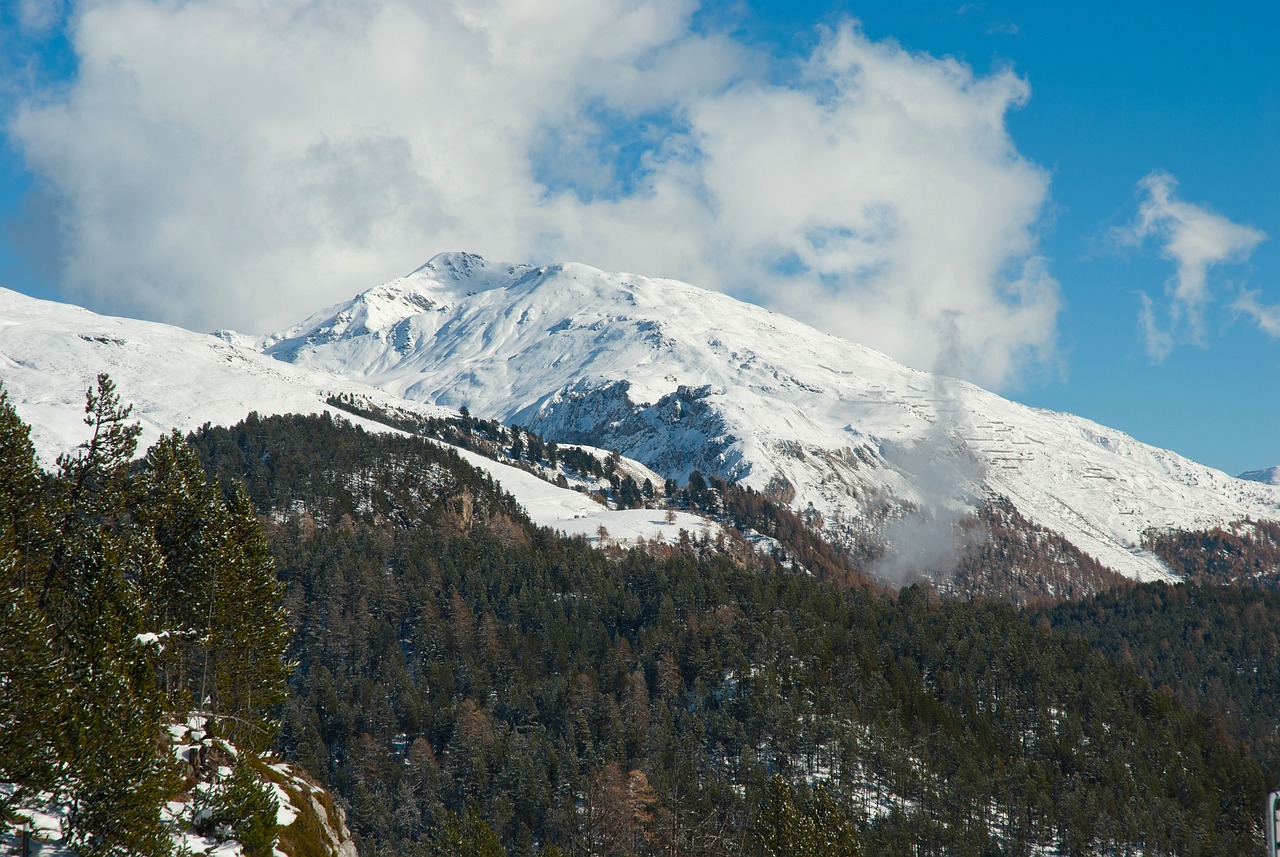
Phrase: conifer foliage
(472, 685)
(216, 598)
(132, 593)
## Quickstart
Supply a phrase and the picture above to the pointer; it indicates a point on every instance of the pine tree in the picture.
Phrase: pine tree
(216, 597)
(115, 778)
(468, 836)
(244, 808)
(834, 830)
(185, 515)
(90, 501)
(781, 830)
(128, 593)
(251, 674)
(32, 697)
(26, 531)
(31, 672)
(118, 780)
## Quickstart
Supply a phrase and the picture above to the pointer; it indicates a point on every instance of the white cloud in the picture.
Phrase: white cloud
(234, 163)
(1267, 316)
(1194, 239)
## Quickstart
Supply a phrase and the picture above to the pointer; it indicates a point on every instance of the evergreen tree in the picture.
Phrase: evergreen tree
(251, 673)
(185, 513)
(32, 701)
(26, 531)
(90, 593)
(243, 808)
(120, 587)
(217, 598)
(466, 836)
(118, 780)
(32, 696)
(781, 829)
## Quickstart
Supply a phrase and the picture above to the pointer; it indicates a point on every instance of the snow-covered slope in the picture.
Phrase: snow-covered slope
(1269, 476)
(680, 379)
(50, 353)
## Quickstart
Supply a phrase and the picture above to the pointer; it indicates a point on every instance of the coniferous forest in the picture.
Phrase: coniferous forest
(468, 683)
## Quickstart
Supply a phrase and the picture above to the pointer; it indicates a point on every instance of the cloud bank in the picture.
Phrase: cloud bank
(1194, 239)
(237, 163)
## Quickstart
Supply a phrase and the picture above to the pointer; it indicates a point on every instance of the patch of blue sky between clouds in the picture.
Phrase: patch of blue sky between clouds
(607, 155)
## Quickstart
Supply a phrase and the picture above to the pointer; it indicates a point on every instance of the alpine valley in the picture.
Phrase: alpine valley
(550, 561)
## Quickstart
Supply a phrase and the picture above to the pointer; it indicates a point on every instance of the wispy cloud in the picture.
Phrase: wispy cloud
(1003, 28)
(1195, 239)
(993, 26)
(39, 16)
(1267, 316)
(235, 163)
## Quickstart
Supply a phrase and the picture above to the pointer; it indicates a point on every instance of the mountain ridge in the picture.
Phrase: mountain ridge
(50, 353)
(672, 376)
(1267, 475)
(684, 379)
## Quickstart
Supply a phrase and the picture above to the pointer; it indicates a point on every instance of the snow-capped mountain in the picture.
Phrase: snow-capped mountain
(50, 353)
(685, 379)
(1267, 476)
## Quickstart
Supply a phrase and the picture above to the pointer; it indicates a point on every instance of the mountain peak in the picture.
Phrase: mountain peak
(459, 273)
(456, 264)
(1267, 476)
(683, 379)
(436, 285)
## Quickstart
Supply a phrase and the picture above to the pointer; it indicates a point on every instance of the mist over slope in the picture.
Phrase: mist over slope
(684, 379)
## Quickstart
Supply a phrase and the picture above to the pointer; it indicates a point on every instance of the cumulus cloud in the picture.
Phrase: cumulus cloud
(1194, 239)
(234, 163)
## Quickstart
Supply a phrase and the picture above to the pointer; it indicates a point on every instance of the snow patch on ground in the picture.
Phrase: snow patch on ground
(576, 514)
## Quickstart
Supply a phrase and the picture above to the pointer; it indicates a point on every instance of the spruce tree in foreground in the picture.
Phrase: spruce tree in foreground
(82, 576)
(131, 595)
(31, 679)
(216, 601)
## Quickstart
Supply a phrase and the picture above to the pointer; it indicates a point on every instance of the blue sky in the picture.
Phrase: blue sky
(1120, 90)
(709, 143)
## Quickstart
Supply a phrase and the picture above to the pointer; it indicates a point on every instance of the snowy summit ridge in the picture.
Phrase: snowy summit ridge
(685, 379)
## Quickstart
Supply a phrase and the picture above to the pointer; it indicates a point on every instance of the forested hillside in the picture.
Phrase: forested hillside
(1001, 553)
(1245, 553)
(1215, 647)
(470, 684)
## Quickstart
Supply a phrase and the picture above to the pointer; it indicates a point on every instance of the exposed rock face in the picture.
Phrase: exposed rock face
(319, 825)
